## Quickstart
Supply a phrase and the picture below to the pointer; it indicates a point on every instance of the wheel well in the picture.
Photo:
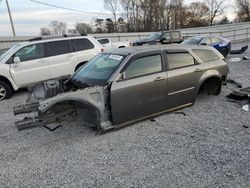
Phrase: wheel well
(212, 81)
(79, 65)
(73, 110)
(2, 78)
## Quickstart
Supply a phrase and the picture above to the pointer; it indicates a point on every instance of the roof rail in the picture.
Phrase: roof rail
(54, 37)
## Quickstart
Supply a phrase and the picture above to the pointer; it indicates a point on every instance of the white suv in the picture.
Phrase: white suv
(42, 59)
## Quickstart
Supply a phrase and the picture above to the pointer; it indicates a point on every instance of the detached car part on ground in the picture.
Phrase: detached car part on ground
(126, 85)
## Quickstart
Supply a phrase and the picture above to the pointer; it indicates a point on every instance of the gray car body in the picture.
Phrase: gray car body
(124, 101)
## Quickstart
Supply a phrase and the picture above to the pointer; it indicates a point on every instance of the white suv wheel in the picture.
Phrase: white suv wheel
(2, 92)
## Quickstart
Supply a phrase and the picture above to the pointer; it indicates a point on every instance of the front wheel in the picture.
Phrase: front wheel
(5, 90)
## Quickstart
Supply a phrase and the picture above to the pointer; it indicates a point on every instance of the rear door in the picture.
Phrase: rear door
(85, 49)
(34, 66)
(143, 89)
(62, 58)
(184, 73)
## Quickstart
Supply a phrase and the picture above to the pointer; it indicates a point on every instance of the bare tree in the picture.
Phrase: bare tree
(199, 10)
(58, 28)
(243, 10)
(45, 31)
(112, 6)
(216, 8)
(83, 28)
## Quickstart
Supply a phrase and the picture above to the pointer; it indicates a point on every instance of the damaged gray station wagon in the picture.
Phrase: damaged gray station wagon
(122, 86)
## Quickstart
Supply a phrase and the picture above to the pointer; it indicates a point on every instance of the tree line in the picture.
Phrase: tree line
(155, 15)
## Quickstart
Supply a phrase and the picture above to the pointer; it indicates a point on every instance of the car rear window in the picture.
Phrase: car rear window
(81, 44)
(206, 55)
(57, 48)
(179, 60)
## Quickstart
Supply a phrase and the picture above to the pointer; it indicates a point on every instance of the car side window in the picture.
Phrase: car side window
(58, 48)
(206, 55)
(31, 52)
(206, 41)
(144, 66)
(103, 41)
(166, 35)
(179, 60)
(81, 44)
(215, 40)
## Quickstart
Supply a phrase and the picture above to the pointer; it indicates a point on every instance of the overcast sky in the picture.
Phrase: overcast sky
(29, 16)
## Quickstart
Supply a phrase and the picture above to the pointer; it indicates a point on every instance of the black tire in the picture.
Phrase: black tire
(224, 52)
(213, 88)
(5, 90)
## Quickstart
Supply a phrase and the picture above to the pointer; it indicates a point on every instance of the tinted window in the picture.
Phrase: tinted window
(206, 55)
(144, 66)
(192, 40)
(57, 48)
(103, 41)
(30, 52)
(178, 60)
(81, 44)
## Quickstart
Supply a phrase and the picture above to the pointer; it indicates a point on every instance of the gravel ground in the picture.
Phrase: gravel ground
(207, 148)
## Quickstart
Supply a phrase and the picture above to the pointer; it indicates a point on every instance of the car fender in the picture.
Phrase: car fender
(93, 97)
(208, 74)
(5, 73)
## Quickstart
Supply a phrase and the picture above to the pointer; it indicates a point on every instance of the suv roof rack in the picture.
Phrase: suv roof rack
(54, 37)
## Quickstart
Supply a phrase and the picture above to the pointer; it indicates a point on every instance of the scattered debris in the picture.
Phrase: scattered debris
(245, 58)
(245, 126)
(234, 59)
(152, 120)
(182, 113)
(241, 51)
(240, 94)
(234, 82)
(245, 107)
(52, 129)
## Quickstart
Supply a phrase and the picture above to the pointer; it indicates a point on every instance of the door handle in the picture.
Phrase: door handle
(159, 79)
(198, 70)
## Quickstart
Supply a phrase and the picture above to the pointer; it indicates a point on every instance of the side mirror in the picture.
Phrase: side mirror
(122, 76)
(203, 44)
(17, 60)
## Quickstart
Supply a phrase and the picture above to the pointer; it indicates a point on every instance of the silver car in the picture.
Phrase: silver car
(122, 86)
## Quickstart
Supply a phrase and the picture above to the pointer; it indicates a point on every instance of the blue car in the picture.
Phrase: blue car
(221, 44)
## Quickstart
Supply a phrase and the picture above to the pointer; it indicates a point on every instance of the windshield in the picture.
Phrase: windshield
(98, 70)
(8, 52)
(154, 36)
(192, 40)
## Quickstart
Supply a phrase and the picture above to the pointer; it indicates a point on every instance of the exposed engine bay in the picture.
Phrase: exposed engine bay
(55, 102)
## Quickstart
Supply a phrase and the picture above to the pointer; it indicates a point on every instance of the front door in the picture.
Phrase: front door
(142, 91)
(184, 73)
(33, 66)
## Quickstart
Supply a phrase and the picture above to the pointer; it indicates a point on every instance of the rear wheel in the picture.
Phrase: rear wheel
(5, 90)
(212, 86)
